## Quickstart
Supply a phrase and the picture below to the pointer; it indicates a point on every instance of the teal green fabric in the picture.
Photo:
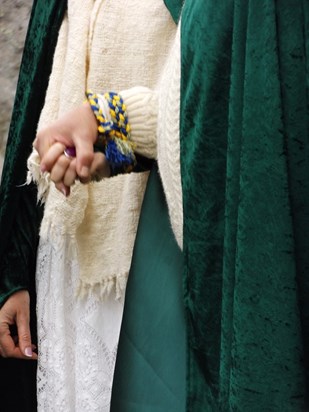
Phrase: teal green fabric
(245, 166)
(19, 214)
(174, 7)
(150, 371)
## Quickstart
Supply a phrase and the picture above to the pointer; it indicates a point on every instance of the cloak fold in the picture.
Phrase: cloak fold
(19, 214)
(245, 167)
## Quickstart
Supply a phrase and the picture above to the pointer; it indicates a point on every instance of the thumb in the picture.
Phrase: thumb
(24, 335)
(84, 140)
(84, 157)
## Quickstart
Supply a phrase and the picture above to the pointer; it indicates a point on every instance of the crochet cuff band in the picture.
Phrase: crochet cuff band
(114, 137)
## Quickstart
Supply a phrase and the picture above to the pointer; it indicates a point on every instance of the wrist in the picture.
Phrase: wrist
(113, 128)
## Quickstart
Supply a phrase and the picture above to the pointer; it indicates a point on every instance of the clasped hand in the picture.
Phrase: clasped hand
(77, 128)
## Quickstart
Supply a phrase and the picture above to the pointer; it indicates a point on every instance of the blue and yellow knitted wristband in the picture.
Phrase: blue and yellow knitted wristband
(114, 134)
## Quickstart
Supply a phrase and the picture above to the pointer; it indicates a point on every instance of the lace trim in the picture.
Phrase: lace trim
(77, 338)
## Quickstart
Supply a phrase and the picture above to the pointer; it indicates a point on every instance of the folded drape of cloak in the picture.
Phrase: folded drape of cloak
(19, 213)
(245, 181)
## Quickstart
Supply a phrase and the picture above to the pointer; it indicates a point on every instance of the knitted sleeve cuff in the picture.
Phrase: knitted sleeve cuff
(142, 109)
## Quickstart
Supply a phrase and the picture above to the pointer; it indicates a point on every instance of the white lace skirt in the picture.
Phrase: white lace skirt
(77, 339)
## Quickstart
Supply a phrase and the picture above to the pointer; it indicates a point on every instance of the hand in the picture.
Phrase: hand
(16, 312)
(76, 128)
(64, 174)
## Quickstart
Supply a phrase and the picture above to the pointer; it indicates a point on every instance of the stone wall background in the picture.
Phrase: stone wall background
(14, 18)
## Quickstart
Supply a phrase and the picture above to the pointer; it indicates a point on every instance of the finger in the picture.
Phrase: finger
(42, 142)
(84, 142)
(24, 335)
(59, 169)
(70, 174)
(84, 157)
(100, 167)
(9, 350)
(65, 190)
(16, 353)
(51, 156)
(7, 345)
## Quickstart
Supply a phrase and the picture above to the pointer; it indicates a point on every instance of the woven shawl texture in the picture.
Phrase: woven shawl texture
(107, 211)
(245, 166)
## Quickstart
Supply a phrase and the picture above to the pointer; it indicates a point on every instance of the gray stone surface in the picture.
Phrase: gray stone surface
(14, 17)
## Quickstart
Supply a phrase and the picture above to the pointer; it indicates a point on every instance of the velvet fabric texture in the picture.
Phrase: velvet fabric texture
(174, 7)
(245, 166)
(19, 214)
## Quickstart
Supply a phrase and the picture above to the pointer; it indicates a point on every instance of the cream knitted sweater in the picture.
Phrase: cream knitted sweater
(100, 219)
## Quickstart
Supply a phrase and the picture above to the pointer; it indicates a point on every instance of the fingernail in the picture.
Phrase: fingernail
(85, 171)
(64, 192)
(43, 168)
(28, 352)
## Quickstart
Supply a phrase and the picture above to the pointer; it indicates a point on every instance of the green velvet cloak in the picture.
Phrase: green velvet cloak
(19, 214)
(245, 167)
(245, 177)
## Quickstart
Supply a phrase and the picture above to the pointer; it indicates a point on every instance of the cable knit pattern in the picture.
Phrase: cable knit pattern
(168, 138)
(142, 107)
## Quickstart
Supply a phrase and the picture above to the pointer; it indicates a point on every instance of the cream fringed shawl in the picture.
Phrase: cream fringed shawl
(100, 219)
